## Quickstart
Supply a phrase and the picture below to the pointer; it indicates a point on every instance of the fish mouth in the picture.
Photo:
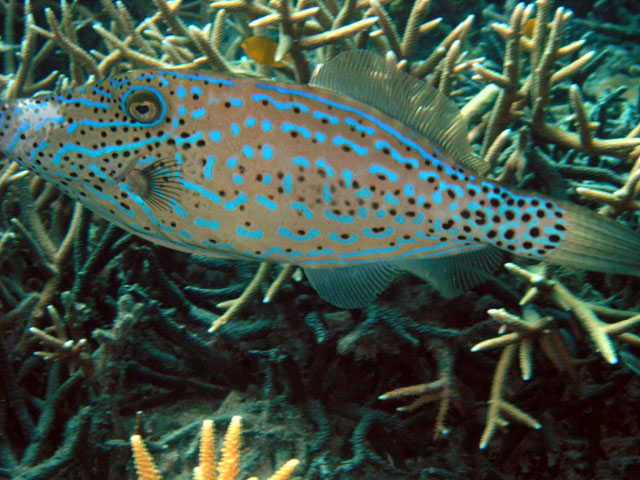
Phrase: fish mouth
(25, 126)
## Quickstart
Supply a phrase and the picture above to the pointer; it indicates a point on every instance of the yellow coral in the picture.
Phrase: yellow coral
(207, 468)
(145, 467)
(285, 471)
(228, 466)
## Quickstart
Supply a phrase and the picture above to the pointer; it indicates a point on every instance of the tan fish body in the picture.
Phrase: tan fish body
(361, 175)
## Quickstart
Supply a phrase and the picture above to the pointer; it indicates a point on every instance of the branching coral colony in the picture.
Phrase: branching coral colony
(208, 469)
(523, 93)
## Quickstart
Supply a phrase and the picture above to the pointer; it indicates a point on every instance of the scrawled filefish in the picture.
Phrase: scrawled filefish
(363, 174)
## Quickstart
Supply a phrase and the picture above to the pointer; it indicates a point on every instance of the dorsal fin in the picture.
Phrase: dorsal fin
(366, 77)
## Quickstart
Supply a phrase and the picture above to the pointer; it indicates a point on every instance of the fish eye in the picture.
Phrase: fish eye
(143, 105)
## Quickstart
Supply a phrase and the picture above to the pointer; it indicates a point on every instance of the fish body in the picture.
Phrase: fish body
(361, 175)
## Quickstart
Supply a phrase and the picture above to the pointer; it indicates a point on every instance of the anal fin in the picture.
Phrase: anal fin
(453, 275)
(354, 286)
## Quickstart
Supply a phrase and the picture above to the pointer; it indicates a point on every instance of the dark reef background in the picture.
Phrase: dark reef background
(304, 375)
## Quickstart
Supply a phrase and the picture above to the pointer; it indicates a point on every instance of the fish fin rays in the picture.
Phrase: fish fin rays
(366, 77)
(359, 285)
(351, 287)
(595, 242)
(453, 275)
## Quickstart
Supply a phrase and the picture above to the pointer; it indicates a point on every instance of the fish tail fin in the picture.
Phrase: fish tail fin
(595, 242)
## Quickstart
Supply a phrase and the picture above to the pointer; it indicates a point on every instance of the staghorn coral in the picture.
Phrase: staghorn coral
(531, 326)
(145, 311)
(442, 390)
(227, 467)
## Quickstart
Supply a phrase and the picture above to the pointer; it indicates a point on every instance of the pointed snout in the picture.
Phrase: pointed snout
(24, 127)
